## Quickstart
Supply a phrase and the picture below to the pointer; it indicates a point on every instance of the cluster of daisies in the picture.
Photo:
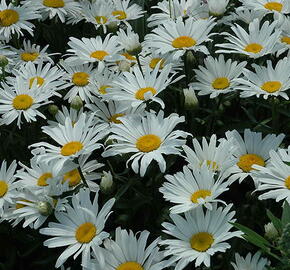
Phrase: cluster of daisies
(111, 81)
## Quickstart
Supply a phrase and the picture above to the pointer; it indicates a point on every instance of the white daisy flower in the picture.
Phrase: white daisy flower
(19, 100)
(128, 251)
(219, 157)
(256, 43)
(7, 185)
(74, 140)
(284, 42)
(90, 50)
(31, 53)
(266, 81)
(148, 137)
(199, 235)
(177, 37)
(252, 150)
(14, 19)
(243, 14)
(250, 262)
(125, 11)
(80, 80)
(191, 189)
(129, 41)
(80, 228)
(138, 88)
(61, 9)
(274, 181)
(218, 76)
(64, 113)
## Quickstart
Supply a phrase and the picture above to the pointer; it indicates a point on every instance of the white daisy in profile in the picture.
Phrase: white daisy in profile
(32, 53)
(90, 50)
(189, 189)
(45, 75)
(74, 140)
(99, 13)
(19, 100)
(126, 10)
(129, 251)
(268, 6)
(148, 138)
(61, 9)
(129, 41)
(218, 156)
(64, 113)
(274, 181)
(250, 262)
(80, 81)
(266, 81)
(199, 235)
(243, 14)
(7, 185)
(138, 88)
(256, 43)
(14, 19)
(81, 228)
(177, 37)
(218, 76)
(284, 42)
(252, 150)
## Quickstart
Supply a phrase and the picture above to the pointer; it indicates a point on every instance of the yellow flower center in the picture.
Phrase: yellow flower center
(285, 40)
(212, 164)
(20, 205)
(73, 177)
(86, 232)
(80, 78)
(103, 89)
(253, 48)
(154, 61)
(100, 55)
(42, 179)
(71, 148)
(8, 17)
(129, 56)
(26, 56)
(101, 19)
(3, 188)
(114, 118)
(274, 6)
(130, 266)
(119, 14)
(248, 160)
(271, 86)
(202, 193)
(53, 3)
(183, 42)
(39, 80)
(22, 102)
(140, 93)
(287, 182)
(201, 241)
(148, 143)
(221, 83)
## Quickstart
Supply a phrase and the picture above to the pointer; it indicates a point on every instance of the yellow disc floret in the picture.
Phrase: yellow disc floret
(86, 232)
(201, 241)
(140, 93)
(148, 143)
(38, 79)
(154, 61)
(3, 188)
(130, 266)
(248, 160)
(103, 89)
(114, 118)
(220, 83)
(253, 48)
(286, 40)
(183, 42)
(119, 14)
(29, 56)
(71, 148)
(41, 181)
(8, 17)
(101, 19)
(80, 78)
(100, 55)
(274, 6)
(22, 102)
(53, 3)
(73, 177)
(271, 86)
(202, 193)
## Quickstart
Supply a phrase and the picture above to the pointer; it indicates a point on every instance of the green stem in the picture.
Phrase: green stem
(139, 64)
(82, 176)
(275, 114)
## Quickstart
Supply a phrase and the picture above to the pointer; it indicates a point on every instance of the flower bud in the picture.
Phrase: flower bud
(217, 7)
(52, 109)
(270, 231)
(3, 60)
(190, 99)
(106, 182)
(45, 208)
(76, 103)
(113, 27)
(124, 65)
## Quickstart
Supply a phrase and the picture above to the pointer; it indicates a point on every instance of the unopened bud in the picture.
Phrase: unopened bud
(106, 182)
(76, 103)
(45, 208)
(190, 99)
(124, 65)
(270, 231)
(113, 26)
(135, 49)
(217, 7)
(52, 109)
(3, 61)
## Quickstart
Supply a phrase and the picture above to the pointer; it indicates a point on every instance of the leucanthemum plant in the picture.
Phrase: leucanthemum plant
(251, 262)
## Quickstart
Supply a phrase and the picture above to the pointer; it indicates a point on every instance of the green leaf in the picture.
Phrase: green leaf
(286, 214)
(276, 221)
